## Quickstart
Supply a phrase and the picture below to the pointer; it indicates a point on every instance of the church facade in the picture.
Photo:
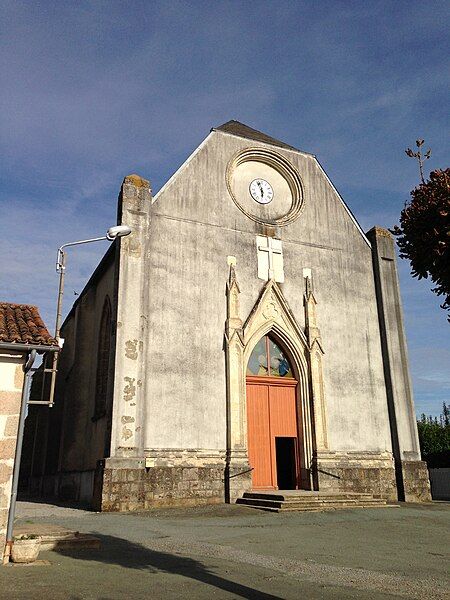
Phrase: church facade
(247, 335)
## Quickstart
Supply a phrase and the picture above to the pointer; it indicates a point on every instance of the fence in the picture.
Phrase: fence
(440, 484)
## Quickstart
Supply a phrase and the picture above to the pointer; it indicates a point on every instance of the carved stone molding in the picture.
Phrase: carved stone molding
(282, 166)
(272, 314)
(316, 371)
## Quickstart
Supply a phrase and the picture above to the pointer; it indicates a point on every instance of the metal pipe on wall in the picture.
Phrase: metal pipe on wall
(18, 454)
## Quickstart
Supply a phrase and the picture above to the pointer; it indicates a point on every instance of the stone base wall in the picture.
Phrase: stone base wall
(416, 481)
(127, 485)
(238, 481)
(370, 474)
(133, 489)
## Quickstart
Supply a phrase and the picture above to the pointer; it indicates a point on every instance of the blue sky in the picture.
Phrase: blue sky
(92, 91)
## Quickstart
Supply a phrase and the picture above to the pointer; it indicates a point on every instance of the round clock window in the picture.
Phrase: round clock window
(265, 186)
(261, 191)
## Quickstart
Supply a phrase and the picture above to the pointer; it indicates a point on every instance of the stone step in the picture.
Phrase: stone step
(298, 500)
(295, 495)
(330, 508)
(308, 503)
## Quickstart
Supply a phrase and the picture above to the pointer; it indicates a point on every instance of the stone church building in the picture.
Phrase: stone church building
(247, 335)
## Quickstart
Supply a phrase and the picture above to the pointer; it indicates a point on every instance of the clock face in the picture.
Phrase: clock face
(261, 191)
(247, 177)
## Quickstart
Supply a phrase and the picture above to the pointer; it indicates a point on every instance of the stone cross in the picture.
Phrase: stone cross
(270, 259)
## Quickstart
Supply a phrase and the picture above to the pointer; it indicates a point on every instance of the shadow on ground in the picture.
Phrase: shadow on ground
(52, 501)
(118, 551)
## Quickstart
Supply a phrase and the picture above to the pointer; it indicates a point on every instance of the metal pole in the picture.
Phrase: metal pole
(61, 269)
(16, 471)
(61, 266)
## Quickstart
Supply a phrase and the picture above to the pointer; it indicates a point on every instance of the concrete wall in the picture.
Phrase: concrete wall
(133, 301)
(11, 383)
(411, 473)
(194, 226)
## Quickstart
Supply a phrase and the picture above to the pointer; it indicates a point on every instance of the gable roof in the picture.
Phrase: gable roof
(238, 129)
(22, 324)
(241, 130)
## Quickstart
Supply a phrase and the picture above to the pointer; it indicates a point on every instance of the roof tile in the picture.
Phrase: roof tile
(22, 324)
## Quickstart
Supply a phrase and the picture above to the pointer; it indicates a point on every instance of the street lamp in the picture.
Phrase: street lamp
(114, 232)
(111, 235)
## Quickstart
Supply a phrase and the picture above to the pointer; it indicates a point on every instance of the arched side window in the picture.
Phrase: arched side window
(104, 348)
(268, 360)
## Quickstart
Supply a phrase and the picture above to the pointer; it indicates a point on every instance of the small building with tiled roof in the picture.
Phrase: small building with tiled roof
(22, 324)
(22, 333)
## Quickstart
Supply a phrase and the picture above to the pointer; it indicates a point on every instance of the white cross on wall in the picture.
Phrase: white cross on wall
(270, 259)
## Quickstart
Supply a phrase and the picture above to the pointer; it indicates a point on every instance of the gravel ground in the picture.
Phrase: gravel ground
(236, 552)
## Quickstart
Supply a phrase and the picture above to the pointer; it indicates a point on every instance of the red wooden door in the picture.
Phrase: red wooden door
(271, 413)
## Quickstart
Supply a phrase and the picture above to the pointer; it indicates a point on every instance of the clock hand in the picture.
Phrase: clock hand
(260, 188)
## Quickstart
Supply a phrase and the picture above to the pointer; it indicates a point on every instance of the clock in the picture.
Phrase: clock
(261, 191)
(248, 175)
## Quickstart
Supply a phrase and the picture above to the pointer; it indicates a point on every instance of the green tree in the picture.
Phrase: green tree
(434, 438)
(423, 236)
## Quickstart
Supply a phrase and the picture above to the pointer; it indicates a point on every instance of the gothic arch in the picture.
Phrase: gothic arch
(271, 314)
(103, 356)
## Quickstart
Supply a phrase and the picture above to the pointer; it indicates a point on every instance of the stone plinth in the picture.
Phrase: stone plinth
(416, 481)
(359, 473)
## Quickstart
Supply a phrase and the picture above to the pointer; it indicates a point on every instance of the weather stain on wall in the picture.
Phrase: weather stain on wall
(127, 419)
(129, 391)
(131, 349)
(126, 433)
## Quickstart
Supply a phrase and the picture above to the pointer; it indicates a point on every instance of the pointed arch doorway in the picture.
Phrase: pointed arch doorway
(272, 418)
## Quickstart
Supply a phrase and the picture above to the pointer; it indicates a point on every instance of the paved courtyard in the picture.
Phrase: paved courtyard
(237, 552)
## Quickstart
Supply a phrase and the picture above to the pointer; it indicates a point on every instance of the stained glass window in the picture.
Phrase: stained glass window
(267, 359)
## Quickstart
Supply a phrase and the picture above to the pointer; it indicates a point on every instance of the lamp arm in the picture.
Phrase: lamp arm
(112, 234)
(60, 254)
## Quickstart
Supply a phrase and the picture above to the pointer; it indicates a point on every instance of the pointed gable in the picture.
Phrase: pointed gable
(239, 129)
(211, 152)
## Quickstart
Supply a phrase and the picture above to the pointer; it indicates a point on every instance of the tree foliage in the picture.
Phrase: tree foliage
(434, 438)
(424, 233)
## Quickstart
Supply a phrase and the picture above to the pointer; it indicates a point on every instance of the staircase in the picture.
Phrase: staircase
(303, 500)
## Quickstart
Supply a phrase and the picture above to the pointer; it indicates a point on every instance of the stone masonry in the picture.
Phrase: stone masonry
(139, 489)
(11, 381)
(126, 486)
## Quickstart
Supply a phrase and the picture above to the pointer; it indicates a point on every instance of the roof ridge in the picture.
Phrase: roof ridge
(241, 130)
(23, 324)
(6, 303)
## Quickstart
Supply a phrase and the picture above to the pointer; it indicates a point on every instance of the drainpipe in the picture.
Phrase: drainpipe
(16, 471)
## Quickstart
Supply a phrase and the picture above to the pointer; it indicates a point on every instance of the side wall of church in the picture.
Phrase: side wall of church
(70, 438)
(194, 227)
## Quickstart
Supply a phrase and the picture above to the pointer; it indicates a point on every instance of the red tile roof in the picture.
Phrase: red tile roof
(22, 324)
